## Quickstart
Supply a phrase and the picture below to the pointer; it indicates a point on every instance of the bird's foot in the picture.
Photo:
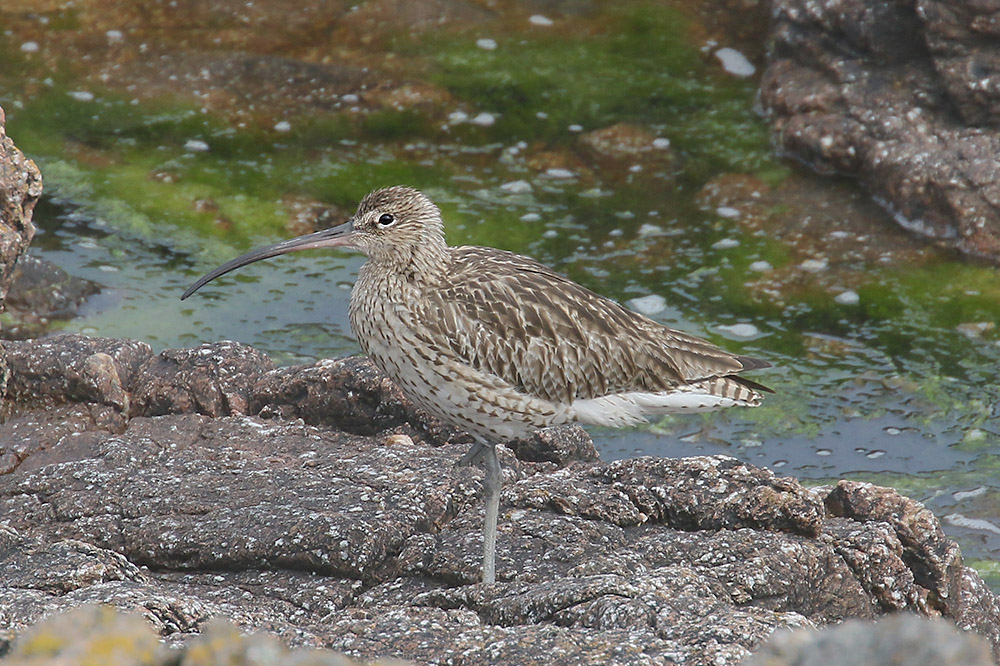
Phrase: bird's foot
(476, 455)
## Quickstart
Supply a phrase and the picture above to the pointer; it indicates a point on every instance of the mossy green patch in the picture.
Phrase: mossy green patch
(642, 67)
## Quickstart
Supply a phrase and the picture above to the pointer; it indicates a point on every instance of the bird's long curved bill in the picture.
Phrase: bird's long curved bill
(332, 237)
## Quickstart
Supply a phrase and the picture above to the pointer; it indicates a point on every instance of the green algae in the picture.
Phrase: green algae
(641, 68)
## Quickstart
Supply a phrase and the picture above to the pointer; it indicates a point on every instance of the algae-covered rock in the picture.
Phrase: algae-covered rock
(90, 634)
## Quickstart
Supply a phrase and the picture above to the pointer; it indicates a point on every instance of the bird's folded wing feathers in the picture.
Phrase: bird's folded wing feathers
(551, 338)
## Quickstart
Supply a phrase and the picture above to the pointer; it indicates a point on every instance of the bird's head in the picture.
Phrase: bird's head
(397, 227)
(393, 224)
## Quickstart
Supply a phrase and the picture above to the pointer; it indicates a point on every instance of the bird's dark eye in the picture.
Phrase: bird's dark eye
(385, 220)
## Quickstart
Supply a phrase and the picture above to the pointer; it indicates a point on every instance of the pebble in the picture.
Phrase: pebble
(727, 212)
(969, 494)
(760, 266)
(196, 145)
(958, 520)
(740, 330)
(848, 297)
(398, 440)
(650, 230)
(538, 19)
(484, 119)
(487, 44)
(456, 117)
(30, 47)
(531, 217)
(282, 126)
(661, 143)
(648, 305)
(814, 265)
(516, 187)
(559, 173)
(82, 95)
(725, 244)
(735, 62)
(114, 36)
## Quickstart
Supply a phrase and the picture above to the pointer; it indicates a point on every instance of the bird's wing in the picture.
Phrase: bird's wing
(552, 338)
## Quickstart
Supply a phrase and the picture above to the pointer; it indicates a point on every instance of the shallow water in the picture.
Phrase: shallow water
(884, 347)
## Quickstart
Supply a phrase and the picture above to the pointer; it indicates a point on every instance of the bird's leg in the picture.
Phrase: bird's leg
(492, 482)
(487, 454)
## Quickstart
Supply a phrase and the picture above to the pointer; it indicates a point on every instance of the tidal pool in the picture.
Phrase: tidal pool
(609, 143)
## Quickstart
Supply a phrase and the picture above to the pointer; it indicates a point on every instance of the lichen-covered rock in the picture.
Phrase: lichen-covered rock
(901, 95)
(934, 559)
(100, 634)
(348, 393)
(97, 372)
(89, 634)
(20, 187)
(370, 545)
(216, 379)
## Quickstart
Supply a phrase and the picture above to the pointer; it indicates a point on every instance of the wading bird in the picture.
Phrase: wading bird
(500, 346)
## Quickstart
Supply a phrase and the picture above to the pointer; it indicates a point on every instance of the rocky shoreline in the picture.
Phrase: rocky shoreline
(312, 505)
(338, 520)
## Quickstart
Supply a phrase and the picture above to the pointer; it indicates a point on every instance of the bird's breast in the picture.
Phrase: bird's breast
(428, 371)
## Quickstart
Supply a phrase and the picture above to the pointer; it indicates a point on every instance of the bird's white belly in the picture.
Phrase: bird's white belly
(443, 386)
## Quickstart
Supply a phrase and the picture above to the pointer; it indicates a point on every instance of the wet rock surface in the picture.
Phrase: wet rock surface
(41, 292)
(902, 96)
(368, 543)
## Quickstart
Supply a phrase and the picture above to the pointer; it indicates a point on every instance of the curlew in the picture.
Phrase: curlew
(500, 346)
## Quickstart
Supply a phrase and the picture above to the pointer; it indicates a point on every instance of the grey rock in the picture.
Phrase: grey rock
(349, 393)
(897, 639)
(369, 544)
(214, 379)
(40, 293)
(97, 372)
(871, 89)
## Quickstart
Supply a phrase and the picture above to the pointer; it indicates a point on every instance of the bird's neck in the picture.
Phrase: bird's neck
(420, 266)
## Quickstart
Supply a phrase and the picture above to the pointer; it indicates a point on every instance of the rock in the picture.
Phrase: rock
(933, 558)
(900, 96)
(214, 379)
(20, 187)
(98, 372)
(369, 543)
(897, 639)
(624, 144)
(93, 634)
(89, 635)
(560, 445)
(349, 393)
(41, 292)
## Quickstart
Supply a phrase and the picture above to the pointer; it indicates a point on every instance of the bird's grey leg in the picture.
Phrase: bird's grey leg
(486, 453)
(492, 482)
(473, 455)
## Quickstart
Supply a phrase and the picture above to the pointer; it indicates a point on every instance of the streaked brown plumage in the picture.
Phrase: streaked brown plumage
(499, 345)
